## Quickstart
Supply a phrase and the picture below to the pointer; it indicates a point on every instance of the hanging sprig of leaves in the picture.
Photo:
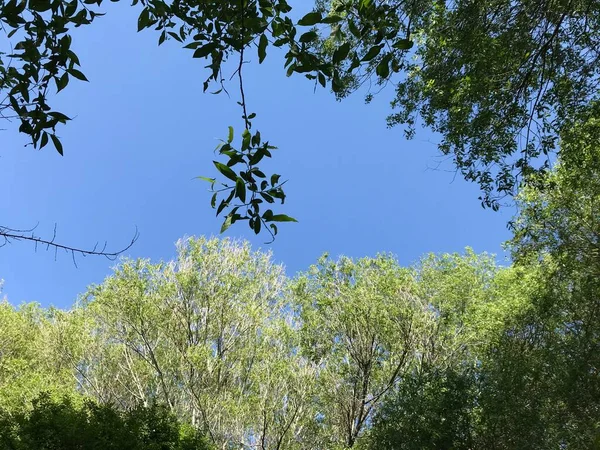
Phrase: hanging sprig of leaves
(250, 187)
(247, 187)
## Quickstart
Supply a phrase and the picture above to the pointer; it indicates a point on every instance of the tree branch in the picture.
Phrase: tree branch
(8, 235)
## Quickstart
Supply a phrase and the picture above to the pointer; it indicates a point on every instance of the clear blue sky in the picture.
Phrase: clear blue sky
(143, 129)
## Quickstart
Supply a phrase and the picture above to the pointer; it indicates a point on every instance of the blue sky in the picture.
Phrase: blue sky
(143, 130)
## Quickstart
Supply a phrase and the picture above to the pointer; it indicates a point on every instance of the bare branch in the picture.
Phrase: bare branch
(9, 235)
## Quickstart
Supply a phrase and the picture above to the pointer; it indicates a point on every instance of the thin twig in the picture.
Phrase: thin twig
(13, 234)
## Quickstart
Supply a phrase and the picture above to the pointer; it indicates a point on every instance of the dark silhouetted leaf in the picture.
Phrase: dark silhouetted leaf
(225, 170)
(240, 189)
(262, 48)
(57, 144)
(310, 19)
(282, 218)
(372, 53)
(403, 44)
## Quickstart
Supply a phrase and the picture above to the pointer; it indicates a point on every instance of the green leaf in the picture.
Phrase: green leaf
(234, 159)
(143, 19)
(77, 74)
(62, 118)
(256, 157)
(282, 218)
(240, 189)
(354, 29)
(310, 19)
(267, 197)
(230, 136)
(372, 53)
(383, 69)
(366, 3)
(322, 80)
(341, 52)
(246, 137)
(174, 36)
(267, 215)
(302, 69)
(62, 82)
(205, 50)
(57, 144)
(227, 223)
(275, 179)
(44, 140)
(403, 44)
(225, 149)
(225, 170)
(262, 48)
(210, 180)
(256, 225)
(308, 37)
(332, 19)
(213, 201)
(222, 206)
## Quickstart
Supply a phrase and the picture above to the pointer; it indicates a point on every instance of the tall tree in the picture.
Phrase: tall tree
(202, 335)
(361, 326)
(27, 363)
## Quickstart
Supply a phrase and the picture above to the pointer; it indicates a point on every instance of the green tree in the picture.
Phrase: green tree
(435, 403)
(428, 411)
(542, 383)
(27, 364)
(361, 325)
(203, 334)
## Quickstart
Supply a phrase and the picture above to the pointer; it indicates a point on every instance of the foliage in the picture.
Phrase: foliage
(197, 335)
(500, 81)
(67, 425)
(551, 358)
(535, 379)
(563, 217)
(39, 53)
(361, 324)
(428, 411)
(452, 352)
(27, 364)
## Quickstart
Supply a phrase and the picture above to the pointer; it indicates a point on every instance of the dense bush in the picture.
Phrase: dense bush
(73, 424)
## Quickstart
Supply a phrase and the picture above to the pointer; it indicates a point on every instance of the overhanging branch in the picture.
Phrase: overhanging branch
(9, 235)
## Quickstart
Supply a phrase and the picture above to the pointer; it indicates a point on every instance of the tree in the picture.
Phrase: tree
(27, 364)
(546, 367)
(201, 335)
(432, 410)
(436, 403)
(499, 80)
(562, 217)
(361, 327)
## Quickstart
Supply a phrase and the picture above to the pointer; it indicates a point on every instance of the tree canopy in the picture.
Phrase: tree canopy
(500, 81)
(451, 352)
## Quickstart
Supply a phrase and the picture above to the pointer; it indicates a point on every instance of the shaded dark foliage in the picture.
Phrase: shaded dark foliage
(66, 425)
